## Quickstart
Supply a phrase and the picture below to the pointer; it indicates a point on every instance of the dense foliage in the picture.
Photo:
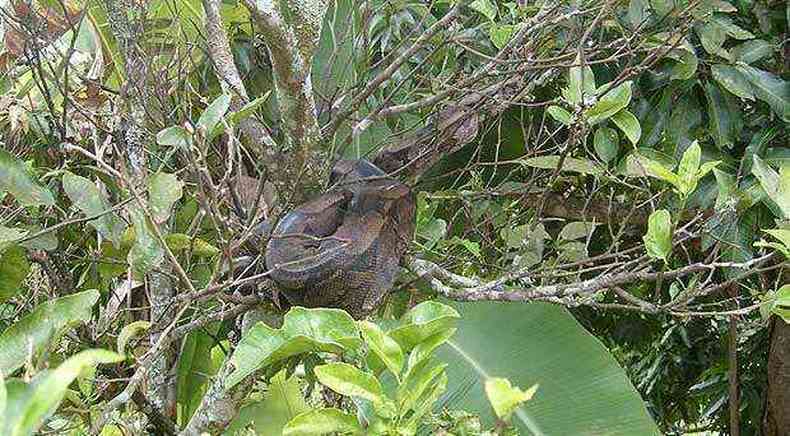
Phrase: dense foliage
(598, 185)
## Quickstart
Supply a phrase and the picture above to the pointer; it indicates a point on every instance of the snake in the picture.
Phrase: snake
(343, 248)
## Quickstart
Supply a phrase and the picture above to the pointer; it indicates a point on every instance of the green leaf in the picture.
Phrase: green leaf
(781, 303)
(146, 253)
(688, 168)
(607, 143)
(321, 422)
(712, 37)
(500, 34)
(731, 28)
(383, 346)
(752, 51)
(283, 401)
(9, 235)
(485, 7)
(44, 324)
(732, 80)
(195, 370)
(550, 162)
(14, 267)
(129, 331)
(179, 242)
(175, 136)
(91, 201)
(42, 397)
(163, 191)
(581, 83)
(577, 375)
(724, 116)
(770, 89)
(658, 240)
(505, 398)
(576, 230)
(303, 331)
(212, 115)
(249, 108)
(420, 379)
(609, 104)
(776, 185)
(350, 381)
(422, 322)
(627, 122)
(560, 114)
(14, 178)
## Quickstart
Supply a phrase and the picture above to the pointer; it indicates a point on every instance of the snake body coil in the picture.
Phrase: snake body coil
(343, 248)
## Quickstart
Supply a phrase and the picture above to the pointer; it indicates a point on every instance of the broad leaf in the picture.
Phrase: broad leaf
(350, 381)
(776, 185)
(44, 324)
(541, 343)
(175, 136)
(724, 115)
(422, 322)
(130, 331)
(732, 80)
(658, 240)
(212, 115)
(14, 178)
(321, 422)
(93, 202)
(607, 143)
(383, 346)
(627, 122)
(163, 191)
(609, 104)
(146, 253)
(303, 330)
(14, 267)
(485, 7)
(560, 114)
(505, 398)
(770, 89)
(282, 402)
(40, 399)
(752, 51)
(572, 164)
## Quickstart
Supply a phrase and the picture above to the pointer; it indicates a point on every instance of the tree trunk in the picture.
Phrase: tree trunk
(776, 420)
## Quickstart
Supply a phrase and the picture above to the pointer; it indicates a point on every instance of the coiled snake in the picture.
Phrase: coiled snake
(343, 248)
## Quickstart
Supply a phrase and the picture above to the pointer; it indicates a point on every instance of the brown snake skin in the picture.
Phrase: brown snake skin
(343, 248)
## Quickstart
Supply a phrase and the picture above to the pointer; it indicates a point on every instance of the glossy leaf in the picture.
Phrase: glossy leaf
(212, 115)
(560, 114)
(303, 330)
(658, 240)
(607, 143)
(627, 122)
(563, 359)
(770, 89)
(383, 346)
(609, 104)
(422, 322)
(45, 323)
(350, 381)
(321, 422)
(92, 202)
(505, 398)
(42, 397)
(15, 179)
(732, 80)
(776, 185)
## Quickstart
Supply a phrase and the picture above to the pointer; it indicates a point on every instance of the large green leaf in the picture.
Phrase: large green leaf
(46, 321)
(164, 190)
(610, 103)
(91, 201)
(146, 253)
(283, 401)
(35, 402)
(195, 369)
(14, 178)
(303, 330)
(724, 115)
(14, 267)
(770, 89)
(571, 164)
(776, 185)
(582, 389)
(732, 80)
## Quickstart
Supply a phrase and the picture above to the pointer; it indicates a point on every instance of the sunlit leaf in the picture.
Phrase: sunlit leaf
(770, 89)
(732, 80)
(628, 123)
(571, 164)
(776, 185)
(15, 178)
(45, 323)
(658, 240)
(348, 380)
(505, 398)
(129, 331)
(321, 422)
(609, 104)
(384, 347)
(163, 190)
(560, 114)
